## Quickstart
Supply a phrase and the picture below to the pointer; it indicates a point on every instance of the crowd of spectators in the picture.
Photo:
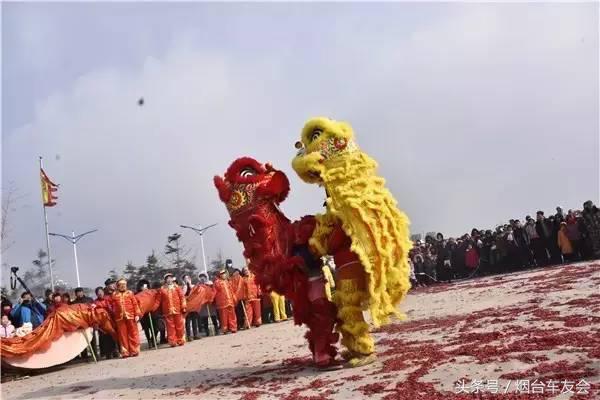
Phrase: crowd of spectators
(540, 242)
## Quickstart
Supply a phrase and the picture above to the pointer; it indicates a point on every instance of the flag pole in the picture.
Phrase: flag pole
(47, 236)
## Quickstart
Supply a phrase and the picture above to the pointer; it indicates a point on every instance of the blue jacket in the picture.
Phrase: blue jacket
(33, 312)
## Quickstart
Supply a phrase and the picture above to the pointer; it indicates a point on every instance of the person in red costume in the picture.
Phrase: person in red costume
(173, 306)
(126, 313)
(225, 300)
(278, 250)
(237, 286)
(252, 298)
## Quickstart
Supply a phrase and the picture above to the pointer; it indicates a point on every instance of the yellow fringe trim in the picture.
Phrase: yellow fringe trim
(369, 215)
(354, 329)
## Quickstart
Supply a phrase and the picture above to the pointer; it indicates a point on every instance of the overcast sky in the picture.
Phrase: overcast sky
(477, 113)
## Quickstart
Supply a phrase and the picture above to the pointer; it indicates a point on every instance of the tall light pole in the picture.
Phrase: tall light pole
(74, 239)
(200, 231)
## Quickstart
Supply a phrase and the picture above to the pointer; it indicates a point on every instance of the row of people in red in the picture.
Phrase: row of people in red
(229, 292)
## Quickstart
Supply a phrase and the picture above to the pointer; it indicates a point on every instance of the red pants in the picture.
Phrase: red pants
(253, 312)
(321, 323)
(175, 329)
(228, 319)
(129, 337)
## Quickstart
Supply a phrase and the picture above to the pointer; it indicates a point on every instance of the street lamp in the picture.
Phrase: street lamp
(74, 239)
(200, 231)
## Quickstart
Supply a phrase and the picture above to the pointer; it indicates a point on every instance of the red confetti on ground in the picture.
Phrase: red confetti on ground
(527, 332)
(372, 388)
(319, 383)
(252, 395)
(353, 378)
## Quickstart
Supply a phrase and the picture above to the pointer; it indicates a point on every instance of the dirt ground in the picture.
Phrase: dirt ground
(528, 335)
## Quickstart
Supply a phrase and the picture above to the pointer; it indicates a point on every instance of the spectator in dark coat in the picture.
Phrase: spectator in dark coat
(81, 298)
(443, 264)
(591, 222)
(544, 230)
(525, 256)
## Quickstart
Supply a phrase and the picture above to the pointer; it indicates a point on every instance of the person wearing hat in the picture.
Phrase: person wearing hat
(108, 346)
(110, 286)
(252, 292)
(237, 286)
(226, 301)
(173, 305)
(208, 310)
(127, 313)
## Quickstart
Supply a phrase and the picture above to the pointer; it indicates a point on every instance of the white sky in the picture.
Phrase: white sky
(477, 113)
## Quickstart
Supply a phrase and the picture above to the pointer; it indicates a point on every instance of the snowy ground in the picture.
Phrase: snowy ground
(529, 335)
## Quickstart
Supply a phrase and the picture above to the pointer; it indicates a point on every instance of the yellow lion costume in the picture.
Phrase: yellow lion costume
(377, 231)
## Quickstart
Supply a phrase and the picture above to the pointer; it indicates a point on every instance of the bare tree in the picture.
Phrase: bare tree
(9, 198)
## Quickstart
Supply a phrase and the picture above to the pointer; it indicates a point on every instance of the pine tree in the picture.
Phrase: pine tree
(177, 254)
(152, 271)
(131, 273)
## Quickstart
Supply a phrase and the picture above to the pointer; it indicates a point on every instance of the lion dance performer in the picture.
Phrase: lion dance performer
(362, 228)
(127, 314)
(172, 300)
(277, 249)
(252, 298)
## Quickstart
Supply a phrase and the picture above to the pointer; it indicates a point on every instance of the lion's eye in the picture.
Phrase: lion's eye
(315, 134)
(246, 172)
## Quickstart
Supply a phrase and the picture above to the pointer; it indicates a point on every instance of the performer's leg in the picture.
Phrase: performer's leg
(133, 338)
(256, 312)
(204, 325)
(321, 336)
(349, 297)
(104, 346)
(145, 321)
(123, 338)
(171, 333)
(215, 320)
(282, 311)
(232, 320)
(275, 302)
(239, 315)
(196, 325)
(188, 326)
(179, 329)
(223, 318)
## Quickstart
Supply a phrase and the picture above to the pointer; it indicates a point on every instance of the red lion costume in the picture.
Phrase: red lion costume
(277, 249)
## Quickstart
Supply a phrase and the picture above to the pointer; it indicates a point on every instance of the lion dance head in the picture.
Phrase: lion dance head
(252, 192)
(247, 182)
(322, 140)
